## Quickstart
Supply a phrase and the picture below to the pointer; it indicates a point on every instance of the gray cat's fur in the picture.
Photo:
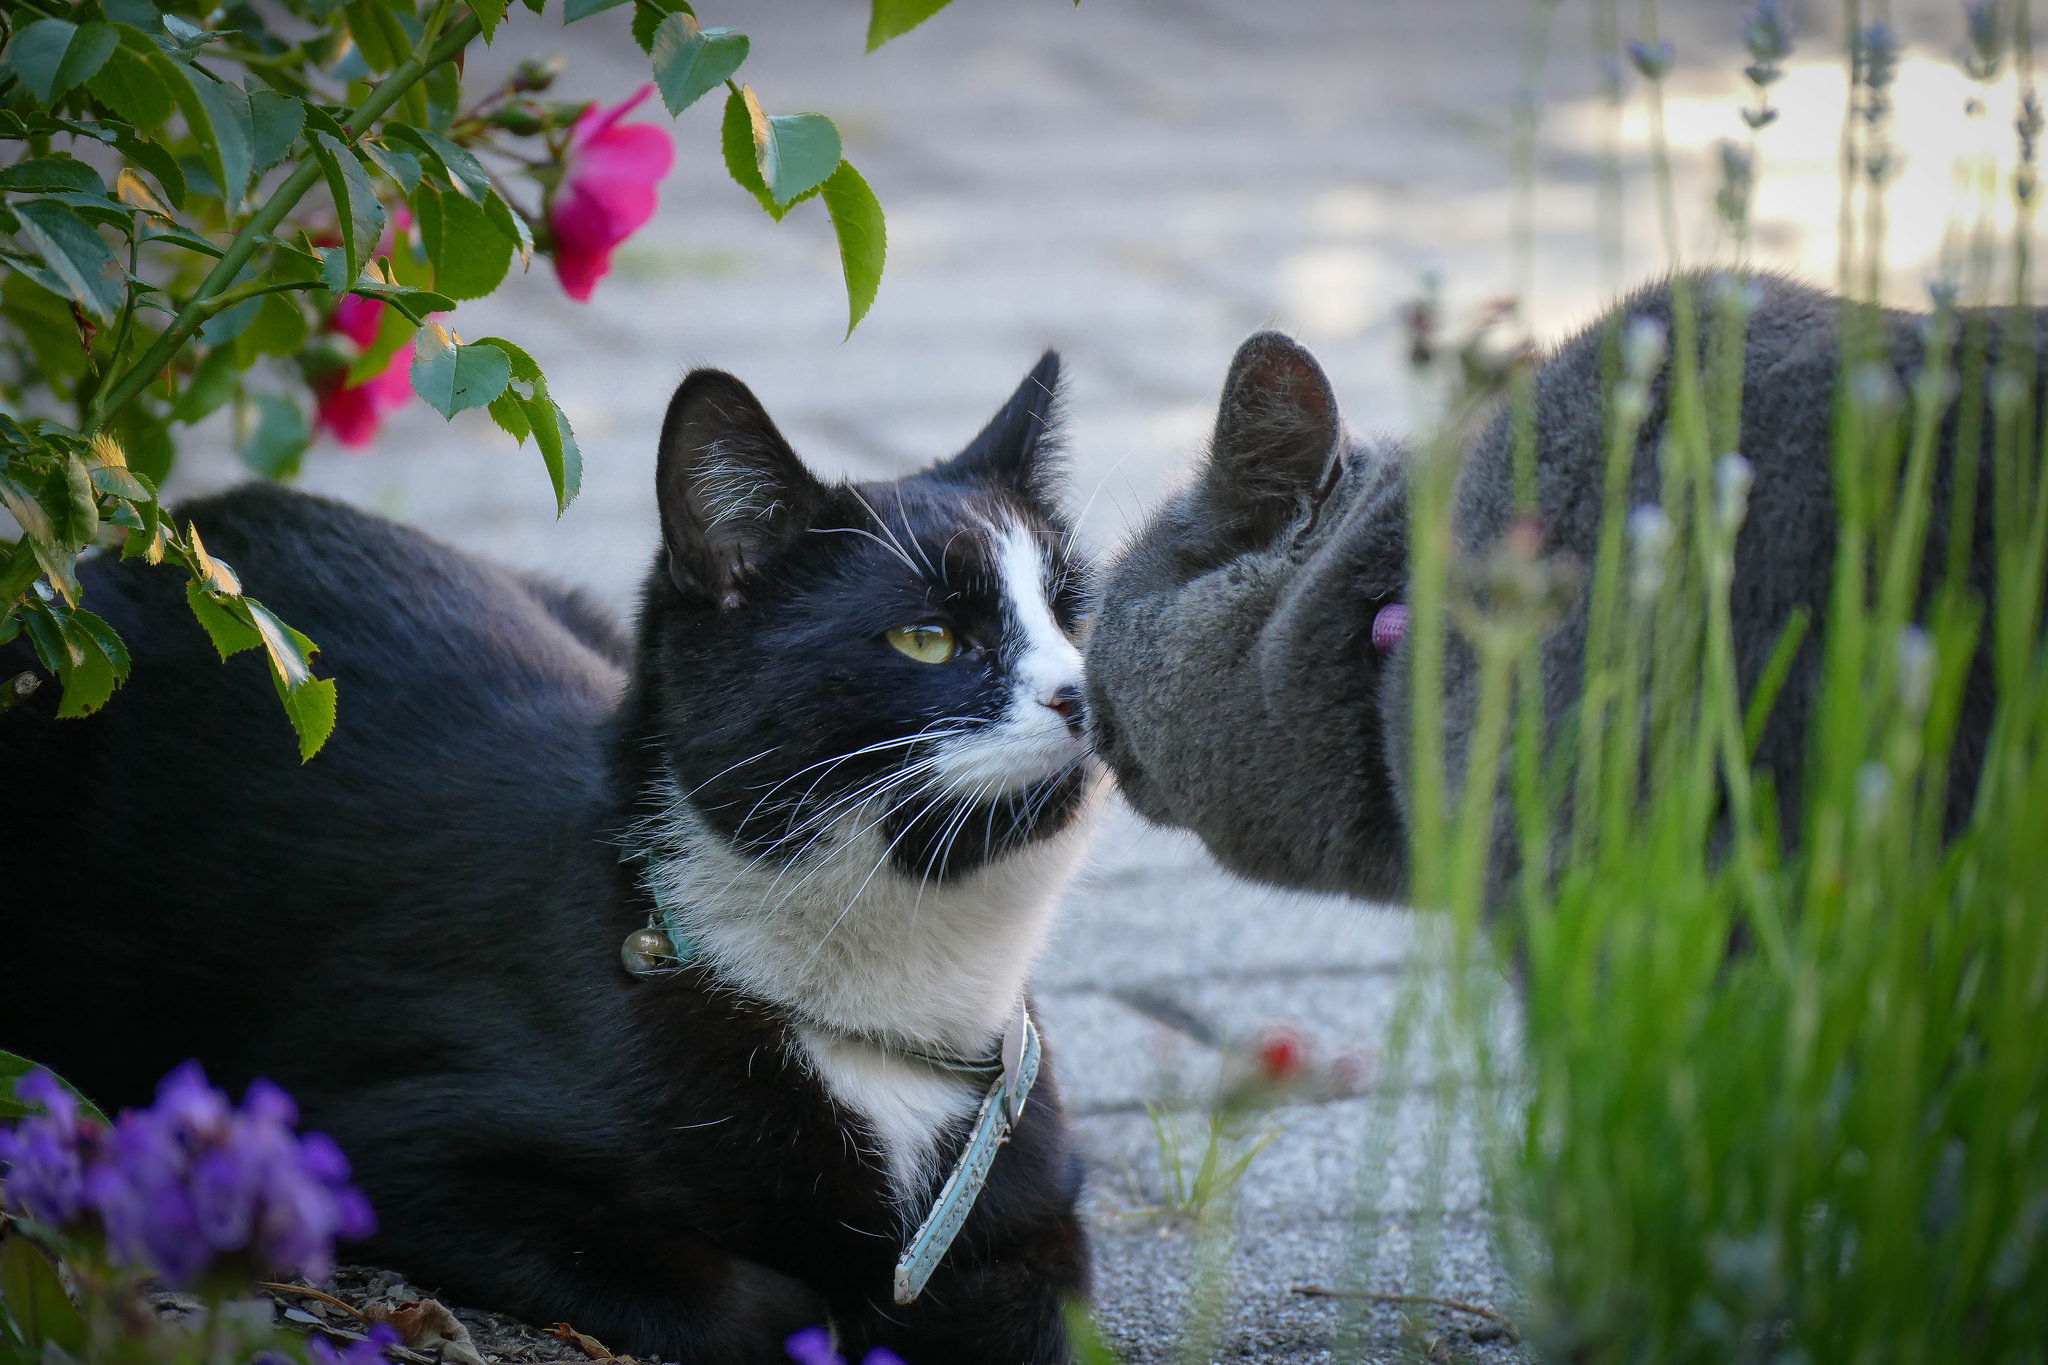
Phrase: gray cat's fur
(1233, 685)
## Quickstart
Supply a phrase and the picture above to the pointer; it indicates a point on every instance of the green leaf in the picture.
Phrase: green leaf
(509, 412)
(188, 38)
(412, 304)
(212, 384)
(793, 152)
(219, 117)
(736, 135)
(470, 255)
(489, 13)
(463, 170)
(320, 120)
(182, 237)
(13, 1068)
(402, 167)
(863, 238)
(47, 174)
(102, 208)
(441, 91)
(690, 61)
(583, 9)
(278, 439)
(103, 636)
(36, 1300)
(117, 482)
(511, 223)
(92, 676)
(230, 323)
(280, 328)
(137, 12)
(276, 120)
(380, 38)
(51, 56)
(17, 571)
(137, 81)
(558, 450)
(524, 367)
(453, 377)
(214, 574)
(60, 565)
(73, 506)
(334, 276)
(170, 177)
(355, 200)
(229, 633)
(144, 432)
(74, 253)
(22, 505)
(52, 647)
(283, 646)
(310, 708)
(44, 320)
(647, 17)
(892, 18)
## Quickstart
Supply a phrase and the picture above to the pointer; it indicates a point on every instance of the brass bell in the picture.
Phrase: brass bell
(648, 951)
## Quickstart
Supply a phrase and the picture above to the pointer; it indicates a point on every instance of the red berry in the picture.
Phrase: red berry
(1283, 1055)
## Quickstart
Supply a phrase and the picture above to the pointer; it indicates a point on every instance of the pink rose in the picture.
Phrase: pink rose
(358, 318)
(353, 412)
(607, 192)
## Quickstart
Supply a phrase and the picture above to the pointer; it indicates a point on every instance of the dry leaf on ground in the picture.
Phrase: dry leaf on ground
(589, 1345)
(426, 1324)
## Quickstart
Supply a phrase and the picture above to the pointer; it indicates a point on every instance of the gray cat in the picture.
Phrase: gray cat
(1247, 682)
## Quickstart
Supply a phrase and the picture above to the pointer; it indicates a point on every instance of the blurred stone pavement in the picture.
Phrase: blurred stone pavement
(1139, 183)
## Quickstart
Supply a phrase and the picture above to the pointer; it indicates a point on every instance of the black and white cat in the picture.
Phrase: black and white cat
(845, 750)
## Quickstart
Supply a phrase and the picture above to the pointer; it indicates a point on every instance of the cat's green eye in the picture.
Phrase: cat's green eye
(928, 644)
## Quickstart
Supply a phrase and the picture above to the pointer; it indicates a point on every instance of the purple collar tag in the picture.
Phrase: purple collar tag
(1389, 626)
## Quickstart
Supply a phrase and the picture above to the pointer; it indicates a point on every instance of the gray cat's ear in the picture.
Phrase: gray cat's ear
(733, 495)
(1276, 442)
(1020, 447)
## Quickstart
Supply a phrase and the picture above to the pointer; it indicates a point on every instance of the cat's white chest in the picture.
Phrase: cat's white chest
(905, 1105)
(849, 946)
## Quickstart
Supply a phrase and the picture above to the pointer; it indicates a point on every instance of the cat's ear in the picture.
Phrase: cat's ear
(1277, 436)
(733, 495)
(1019, 449)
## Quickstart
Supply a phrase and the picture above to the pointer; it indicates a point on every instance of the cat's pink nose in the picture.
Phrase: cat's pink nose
(1389, 626)
(1066, 703)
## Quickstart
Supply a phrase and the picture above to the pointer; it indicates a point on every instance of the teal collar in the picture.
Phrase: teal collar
(1000, 1110)
(665, 947)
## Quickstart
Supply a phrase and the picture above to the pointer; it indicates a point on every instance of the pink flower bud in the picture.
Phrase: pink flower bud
(607, 191)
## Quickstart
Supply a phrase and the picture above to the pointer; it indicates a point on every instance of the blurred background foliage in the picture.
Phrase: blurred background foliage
(263, 208)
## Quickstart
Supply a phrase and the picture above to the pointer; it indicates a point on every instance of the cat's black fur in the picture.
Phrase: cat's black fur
(417, 933)
(1233, 685)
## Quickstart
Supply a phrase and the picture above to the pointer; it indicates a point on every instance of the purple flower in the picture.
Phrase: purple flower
(1767, 33)
(189, 1178)
(1652, 59)
(371, 1352)
(813, 1346)
(46, 1154)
